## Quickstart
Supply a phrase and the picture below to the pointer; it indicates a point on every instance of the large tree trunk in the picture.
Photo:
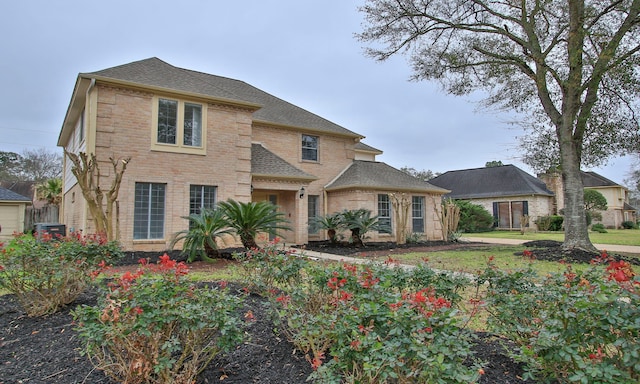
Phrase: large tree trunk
(570, 129)
(576, 234)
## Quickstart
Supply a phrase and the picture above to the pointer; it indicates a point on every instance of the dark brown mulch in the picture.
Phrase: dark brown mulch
(551, 250)
(46, 350)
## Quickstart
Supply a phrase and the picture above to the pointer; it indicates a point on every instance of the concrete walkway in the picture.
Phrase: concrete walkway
(602, 247)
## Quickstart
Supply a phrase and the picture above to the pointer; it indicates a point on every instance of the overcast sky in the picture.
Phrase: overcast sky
(302, 51)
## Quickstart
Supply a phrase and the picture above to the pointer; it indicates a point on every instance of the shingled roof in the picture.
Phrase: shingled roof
(506, 180)
(360, 146)
(7, 195)
(377, 175)
(265, 163)
(156, 73)
(592, 179)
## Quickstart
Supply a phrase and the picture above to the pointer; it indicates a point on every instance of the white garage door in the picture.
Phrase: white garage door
(9, 220)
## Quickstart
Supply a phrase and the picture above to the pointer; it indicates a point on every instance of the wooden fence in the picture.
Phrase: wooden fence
(46, 214)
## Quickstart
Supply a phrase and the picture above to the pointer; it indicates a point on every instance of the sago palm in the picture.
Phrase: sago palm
(200, 240)
(359, 222)
(332, 223)
(248, 219)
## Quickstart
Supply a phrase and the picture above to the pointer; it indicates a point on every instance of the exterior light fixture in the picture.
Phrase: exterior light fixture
(301, 192)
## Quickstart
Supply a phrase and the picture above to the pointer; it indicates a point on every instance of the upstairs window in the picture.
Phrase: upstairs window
(309, 148)
(179, 126)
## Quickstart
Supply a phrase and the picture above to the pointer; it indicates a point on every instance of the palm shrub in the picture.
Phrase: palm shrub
(200, 240)
(359, 222)
(250, 218)
(332, 223)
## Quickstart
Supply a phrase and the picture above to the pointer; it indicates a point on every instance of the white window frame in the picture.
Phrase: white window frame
(149, 219)
(417, 213)
(384, 213)
(305, 149)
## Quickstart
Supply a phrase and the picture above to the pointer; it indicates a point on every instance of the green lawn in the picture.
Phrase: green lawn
(474, 260)
(613, 236)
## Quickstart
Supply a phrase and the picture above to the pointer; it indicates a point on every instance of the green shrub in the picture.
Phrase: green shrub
(474, 218)
(154, 327)
(46, 274)
(598, 228)
(550, 223)
(629, 225)
(572, 326)
(268, 268)
(414, 238)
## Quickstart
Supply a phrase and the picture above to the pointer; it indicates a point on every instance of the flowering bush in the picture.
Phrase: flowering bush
(378, 324)
(46, 273)
(572, 326)
(152, 326)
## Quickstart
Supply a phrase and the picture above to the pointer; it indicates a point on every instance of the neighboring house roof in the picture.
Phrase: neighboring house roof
(377, 175)
(24, 188)
(593, 180)
(7, 195)
(156, 73)
(265, 163)
(506, 180)
(360, 146)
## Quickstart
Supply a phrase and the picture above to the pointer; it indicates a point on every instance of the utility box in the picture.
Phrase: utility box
(56, 230)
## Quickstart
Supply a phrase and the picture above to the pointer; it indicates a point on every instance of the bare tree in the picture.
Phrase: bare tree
(85, 169)
(32, 165)
(568, 64)
(40, 165)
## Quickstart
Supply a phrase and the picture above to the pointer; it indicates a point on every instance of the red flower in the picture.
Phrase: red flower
(284, 300)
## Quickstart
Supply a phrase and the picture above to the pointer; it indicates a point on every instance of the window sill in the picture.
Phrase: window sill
(177, 149)
(149, 241)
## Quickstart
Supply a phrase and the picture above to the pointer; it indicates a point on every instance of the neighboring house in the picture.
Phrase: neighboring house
(618, 207)
(12, 209)
(506, 191)
(195, 139)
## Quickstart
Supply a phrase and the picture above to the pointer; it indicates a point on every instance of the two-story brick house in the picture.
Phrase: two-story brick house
(195, 139)
(618, 207)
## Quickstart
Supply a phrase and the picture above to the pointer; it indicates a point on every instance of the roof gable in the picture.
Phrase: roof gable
(506, 180)
(377, 175)
(156, 73)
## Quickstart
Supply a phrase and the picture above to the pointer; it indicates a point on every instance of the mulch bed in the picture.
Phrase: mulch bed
(47, 349)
